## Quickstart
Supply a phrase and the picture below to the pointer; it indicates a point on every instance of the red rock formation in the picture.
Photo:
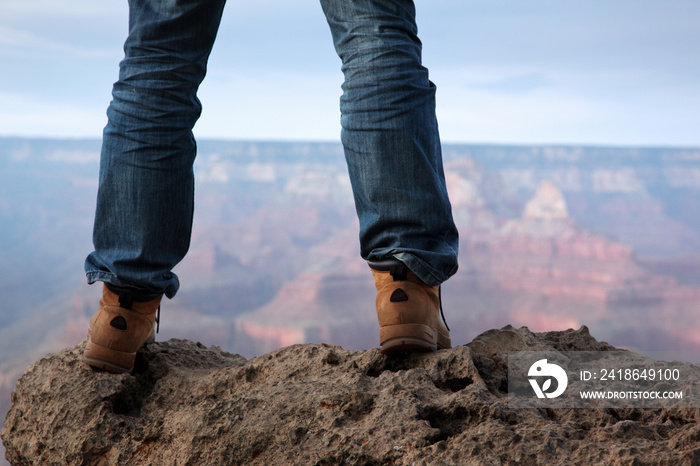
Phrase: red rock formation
(545, 252)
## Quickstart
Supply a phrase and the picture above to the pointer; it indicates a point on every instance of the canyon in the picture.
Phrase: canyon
(550, 238)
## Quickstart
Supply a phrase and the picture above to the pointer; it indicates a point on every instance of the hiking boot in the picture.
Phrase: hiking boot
(118, 330)
(409, 312)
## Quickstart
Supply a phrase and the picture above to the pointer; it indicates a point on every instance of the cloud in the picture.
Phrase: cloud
(18, 42)
(546, 115)
(511, 71)
(280, 105)
(516, 83)
(24, 115)
(598, 108)
(21, 10)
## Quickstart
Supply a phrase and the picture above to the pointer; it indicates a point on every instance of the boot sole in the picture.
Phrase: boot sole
(116, 362)
(404, 338)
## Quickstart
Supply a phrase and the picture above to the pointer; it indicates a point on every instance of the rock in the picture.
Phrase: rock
(186, 404)
(548, 203)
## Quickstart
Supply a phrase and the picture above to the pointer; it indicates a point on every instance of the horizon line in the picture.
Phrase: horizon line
(337, 141)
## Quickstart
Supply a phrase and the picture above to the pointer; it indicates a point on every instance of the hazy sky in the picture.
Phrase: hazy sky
(623, 72)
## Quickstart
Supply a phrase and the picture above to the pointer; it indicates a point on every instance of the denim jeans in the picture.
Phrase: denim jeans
(389, 133)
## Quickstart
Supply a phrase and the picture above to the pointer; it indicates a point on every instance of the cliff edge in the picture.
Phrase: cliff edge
(186, 404)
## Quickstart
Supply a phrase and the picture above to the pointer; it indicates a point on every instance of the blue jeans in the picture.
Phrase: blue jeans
(389, 132)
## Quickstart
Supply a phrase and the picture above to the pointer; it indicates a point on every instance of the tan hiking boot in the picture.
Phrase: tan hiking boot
(409, 313)
(118, 330)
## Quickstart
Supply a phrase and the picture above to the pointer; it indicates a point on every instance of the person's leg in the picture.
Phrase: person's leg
(390, 136)
(392, 147)
(145, 198)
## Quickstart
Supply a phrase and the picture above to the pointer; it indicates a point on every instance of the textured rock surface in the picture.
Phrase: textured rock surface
(187, 404)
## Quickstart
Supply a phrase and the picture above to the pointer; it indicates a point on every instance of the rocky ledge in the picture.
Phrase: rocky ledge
(186, 404)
